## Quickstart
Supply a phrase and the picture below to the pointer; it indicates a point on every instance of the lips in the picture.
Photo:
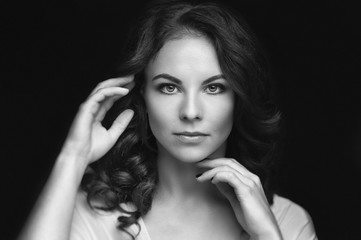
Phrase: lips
(191, 134)
(191, 137)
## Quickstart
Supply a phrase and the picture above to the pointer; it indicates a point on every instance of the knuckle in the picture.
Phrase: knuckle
(233, 160)
(102, 93)
(231, 175)
(100, 90)
(226, 168)
(230, 160)
(97, 87)
(255, 179)
(235, 163)
(252, 184)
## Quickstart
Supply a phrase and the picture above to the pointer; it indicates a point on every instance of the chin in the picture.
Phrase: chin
(188, 154)
(194, 155)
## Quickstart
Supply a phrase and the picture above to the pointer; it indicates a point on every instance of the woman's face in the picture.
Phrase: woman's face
(189, 103)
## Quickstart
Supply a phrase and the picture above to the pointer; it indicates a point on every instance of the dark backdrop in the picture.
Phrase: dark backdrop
(54, 52)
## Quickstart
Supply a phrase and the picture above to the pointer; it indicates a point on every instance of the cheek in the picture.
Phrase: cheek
(222, 115)
(158, 114)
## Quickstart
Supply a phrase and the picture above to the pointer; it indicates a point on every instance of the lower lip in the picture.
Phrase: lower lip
(191, 139)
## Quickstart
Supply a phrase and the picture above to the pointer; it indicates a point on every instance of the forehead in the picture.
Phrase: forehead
(189, 55)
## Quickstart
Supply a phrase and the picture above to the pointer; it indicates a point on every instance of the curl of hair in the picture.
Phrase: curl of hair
(127, 173)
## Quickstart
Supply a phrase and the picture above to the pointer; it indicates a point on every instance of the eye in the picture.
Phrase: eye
(215, 88)
(167, 88)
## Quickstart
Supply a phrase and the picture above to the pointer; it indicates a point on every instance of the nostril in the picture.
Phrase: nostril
(188, 117)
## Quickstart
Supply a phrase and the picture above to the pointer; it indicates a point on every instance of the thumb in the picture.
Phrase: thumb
(120, 124)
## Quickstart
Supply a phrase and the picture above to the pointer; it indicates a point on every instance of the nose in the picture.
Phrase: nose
(191, 108)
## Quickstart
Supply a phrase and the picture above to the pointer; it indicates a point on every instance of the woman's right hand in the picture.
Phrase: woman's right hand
(86, 142)
(88, 139)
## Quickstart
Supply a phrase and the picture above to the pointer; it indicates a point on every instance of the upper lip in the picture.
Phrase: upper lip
(191, 133)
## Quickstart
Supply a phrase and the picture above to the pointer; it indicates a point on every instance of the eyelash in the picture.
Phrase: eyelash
(220, 87)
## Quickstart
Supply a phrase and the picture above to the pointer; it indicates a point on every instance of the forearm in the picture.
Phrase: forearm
(52, 215)
(86, 142)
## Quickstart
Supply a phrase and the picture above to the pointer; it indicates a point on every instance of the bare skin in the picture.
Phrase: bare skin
(86, 142)
(225, 201)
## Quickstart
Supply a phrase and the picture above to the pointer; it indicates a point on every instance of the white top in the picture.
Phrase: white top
(294, 222)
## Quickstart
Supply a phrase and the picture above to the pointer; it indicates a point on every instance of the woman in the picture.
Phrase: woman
(187, 152)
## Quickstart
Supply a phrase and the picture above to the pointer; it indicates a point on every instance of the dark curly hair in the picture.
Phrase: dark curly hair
(127, 173)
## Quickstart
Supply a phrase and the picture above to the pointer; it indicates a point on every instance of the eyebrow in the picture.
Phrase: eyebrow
(179, 82)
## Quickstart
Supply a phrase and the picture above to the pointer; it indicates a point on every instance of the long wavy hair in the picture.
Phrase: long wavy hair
(128, 173)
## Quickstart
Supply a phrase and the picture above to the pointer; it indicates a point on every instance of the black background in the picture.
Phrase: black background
(54, 52)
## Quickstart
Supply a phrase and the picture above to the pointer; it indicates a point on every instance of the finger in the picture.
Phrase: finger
(114, 82)
(229, 184)
(105, 106)
(242, 189)
(120, 124)
(234, 188)
(210, 174)
(228, 177)
(94, 102)
(213, 163)
(89, 109)
(129, 85)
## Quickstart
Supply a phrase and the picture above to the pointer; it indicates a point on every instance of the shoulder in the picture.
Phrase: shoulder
(90, 223)
(293, 220)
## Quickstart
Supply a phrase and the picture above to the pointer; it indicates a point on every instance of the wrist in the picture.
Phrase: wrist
(72, 152)
(72, 161)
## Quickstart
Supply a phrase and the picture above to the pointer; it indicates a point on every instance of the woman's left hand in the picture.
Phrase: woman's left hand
(244, 191)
